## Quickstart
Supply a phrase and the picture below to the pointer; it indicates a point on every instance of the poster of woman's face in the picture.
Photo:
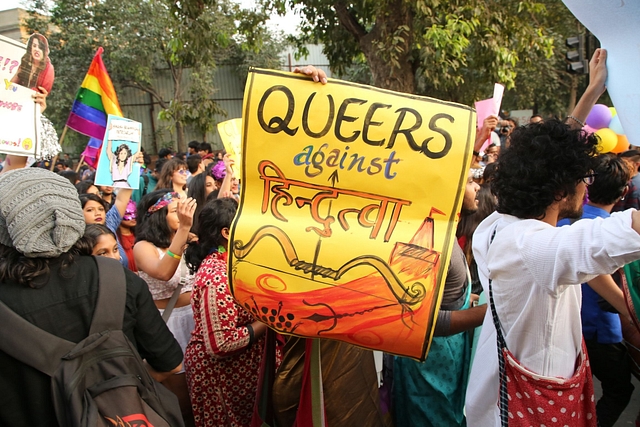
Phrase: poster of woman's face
(35, 69)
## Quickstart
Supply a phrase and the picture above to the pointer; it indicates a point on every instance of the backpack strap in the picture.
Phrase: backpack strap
(112, 296)
(29, 344)
(41, 350)
(166, 314)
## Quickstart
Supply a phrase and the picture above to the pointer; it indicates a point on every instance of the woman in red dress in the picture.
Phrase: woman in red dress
(222, 360)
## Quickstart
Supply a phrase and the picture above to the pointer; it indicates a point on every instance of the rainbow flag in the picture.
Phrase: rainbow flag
(94, 101)
(91, 152)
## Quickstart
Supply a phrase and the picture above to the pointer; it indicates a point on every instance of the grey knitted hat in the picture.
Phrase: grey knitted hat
(40, 212)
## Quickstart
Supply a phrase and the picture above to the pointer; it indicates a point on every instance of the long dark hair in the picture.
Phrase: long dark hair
(196, 191)
(216, 215)
(153, 228)
(30, 272)
(26, 63)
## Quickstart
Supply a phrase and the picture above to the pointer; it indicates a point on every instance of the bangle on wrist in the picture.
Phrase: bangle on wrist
(578, 121)
(172, 255)
(475, 153)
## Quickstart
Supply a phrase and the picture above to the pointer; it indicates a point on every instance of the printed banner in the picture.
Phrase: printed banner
(116, 165)
(347, 218)
(230, 134)
(19, 116)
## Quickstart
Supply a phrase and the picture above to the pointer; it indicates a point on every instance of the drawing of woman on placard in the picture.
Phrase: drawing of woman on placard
(35, 70)
(120, 163)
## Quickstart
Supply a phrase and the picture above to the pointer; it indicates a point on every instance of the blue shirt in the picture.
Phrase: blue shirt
(112, 221)
(597, 323)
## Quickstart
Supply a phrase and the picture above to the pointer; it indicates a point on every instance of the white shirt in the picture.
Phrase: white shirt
(532, 266)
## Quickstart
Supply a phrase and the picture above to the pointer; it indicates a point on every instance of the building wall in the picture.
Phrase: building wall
(139, 106)
(10, 24)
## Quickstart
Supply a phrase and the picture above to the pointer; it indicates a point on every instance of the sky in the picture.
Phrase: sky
(10, 4)
(286, 23)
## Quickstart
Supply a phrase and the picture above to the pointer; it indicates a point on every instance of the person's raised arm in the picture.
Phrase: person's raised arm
(597, 80)
(124, 194)
(225, 187)
(110, 156)
(146, 255)
(484, 133)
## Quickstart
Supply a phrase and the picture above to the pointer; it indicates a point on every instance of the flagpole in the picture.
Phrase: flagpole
(80, 163)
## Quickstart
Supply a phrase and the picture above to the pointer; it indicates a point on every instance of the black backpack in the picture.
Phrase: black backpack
(100, 381)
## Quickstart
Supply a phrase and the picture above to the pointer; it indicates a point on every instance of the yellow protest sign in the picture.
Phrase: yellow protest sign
(348, 212)
(230, 134)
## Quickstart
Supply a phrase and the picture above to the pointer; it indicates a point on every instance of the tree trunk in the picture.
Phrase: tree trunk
(182, 145)
(387, 45)
(391, 65)
(399, 79)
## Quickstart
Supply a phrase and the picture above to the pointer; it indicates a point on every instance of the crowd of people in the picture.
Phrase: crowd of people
(544, 276)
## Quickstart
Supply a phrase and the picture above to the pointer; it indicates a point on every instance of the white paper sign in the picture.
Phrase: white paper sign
(116, 165)
(19, 120)
(11, 52)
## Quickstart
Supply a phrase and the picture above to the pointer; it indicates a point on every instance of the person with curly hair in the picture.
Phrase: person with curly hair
(534, 269)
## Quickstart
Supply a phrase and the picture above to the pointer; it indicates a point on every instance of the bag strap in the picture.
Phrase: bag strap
(112, 296)
(502, 344)
(166, 314)
(43, 351)
(29, 344)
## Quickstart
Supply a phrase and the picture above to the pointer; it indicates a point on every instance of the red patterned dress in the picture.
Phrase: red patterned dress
(221, 365)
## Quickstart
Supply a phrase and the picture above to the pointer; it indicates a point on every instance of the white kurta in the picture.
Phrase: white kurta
(532, 266)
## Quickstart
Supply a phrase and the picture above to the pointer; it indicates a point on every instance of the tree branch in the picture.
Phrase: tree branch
(349, 21)
(151, 91)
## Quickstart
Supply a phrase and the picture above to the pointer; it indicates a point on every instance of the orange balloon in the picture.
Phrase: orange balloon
(622, 145)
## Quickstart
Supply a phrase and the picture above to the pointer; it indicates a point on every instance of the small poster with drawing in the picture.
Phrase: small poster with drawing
(116, 165)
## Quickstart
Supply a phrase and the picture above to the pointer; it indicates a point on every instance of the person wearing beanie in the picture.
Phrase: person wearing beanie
(43, 281)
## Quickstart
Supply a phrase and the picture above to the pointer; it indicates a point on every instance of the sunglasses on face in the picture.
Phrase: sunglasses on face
(589, 178)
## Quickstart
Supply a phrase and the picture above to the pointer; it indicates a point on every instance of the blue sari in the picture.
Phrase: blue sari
(432, 393)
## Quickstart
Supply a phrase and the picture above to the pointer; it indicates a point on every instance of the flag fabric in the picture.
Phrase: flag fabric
(94, 101)
(91, 152)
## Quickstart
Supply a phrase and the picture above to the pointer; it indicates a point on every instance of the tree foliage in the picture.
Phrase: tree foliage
(185, 40)
(450, 49)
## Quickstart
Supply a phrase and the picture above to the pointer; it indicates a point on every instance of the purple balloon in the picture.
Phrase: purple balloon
(599, 117)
